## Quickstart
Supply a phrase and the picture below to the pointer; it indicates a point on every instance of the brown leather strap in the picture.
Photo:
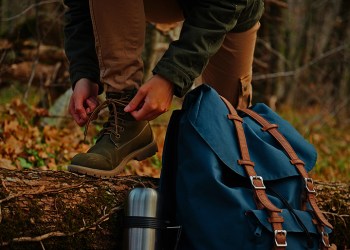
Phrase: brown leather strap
(257, 181)
(280, 235)
(299, 164)
(261, 199)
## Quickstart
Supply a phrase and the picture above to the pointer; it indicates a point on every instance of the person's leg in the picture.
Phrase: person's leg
(229, 71)
(119, 31)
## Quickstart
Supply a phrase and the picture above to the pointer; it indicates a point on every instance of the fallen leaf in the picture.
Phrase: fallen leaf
(7, 164)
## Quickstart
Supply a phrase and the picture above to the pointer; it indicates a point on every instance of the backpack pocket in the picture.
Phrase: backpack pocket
(301, 232)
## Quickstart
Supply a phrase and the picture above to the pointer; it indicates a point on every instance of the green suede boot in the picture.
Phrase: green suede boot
(121, 140)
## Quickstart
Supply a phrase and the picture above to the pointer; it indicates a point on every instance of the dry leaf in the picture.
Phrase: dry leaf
(7, 164)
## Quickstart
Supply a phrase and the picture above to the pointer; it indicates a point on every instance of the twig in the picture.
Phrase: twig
(28, 9)
(0, 214)
(3, 56)
(36, 56)
(12, 196)
(274, 75)
(340, 216)
(273, 51)
(3, 184)
(278, 3)
(331, 184)
(40, 191)
(302, 68)
(61, 234)
(337, 215)
(42, 245)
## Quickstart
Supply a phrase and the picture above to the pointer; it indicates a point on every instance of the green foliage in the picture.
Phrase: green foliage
(24, 163)
(156, 162)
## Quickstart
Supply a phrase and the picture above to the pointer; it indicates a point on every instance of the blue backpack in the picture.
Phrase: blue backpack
(238, 179)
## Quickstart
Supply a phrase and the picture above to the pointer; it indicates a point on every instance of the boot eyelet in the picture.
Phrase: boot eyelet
(121, 129)
(117, 136)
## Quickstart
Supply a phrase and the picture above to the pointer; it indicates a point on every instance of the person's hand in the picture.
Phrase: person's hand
(152, 99)
(83, 100)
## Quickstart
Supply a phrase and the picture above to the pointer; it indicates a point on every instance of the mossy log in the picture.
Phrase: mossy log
(61, 210)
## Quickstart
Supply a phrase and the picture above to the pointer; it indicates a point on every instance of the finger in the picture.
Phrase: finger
(136, 101)
(77, 110)
(91, 104)
(75, 116)
(80, 110)
(146, 113)
(144, 117)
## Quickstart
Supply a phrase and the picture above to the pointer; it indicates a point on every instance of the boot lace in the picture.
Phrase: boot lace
(111, 126)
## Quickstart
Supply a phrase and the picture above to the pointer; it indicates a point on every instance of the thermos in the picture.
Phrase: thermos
(141, 220)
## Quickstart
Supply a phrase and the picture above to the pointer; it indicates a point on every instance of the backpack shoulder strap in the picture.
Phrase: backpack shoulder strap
(258, 187)
(299, 165)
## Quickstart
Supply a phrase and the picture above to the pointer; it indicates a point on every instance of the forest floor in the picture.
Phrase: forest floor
(27, 142)
(33, 135)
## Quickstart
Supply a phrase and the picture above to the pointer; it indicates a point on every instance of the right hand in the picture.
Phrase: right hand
(83, 100)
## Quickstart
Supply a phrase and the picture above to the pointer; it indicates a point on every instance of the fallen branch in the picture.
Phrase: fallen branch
(48, 209)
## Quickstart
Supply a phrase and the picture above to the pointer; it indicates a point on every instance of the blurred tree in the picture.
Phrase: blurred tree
(303, 53)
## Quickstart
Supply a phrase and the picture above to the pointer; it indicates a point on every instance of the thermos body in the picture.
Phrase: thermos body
(142, 202)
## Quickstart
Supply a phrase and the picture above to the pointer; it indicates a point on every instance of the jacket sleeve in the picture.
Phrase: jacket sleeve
(79, 43)
(204, 29)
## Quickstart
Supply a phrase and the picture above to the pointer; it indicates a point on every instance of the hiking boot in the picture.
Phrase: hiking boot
(121, 140)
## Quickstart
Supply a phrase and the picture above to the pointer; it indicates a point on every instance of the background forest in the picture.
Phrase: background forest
(301, 69)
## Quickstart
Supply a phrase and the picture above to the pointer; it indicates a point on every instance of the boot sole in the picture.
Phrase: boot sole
(141, 154)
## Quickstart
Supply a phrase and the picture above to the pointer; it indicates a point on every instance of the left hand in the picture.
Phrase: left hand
(152, 99)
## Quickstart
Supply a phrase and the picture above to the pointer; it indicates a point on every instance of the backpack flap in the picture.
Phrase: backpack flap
(207, 113)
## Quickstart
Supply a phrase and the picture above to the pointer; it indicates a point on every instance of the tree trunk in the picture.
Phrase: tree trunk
(61, 210)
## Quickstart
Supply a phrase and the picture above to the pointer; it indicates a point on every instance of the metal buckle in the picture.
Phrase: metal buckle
(324, 234)
(252, 178)
(284, 232)
(307, 180)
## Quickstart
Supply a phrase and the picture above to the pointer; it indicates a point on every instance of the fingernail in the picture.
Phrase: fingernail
(127, 108)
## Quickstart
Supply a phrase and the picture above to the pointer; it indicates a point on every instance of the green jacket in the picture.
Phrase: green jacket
(205, 26)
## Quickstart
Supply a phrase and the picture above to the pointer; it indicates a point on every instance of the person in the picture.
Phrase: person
(104, 40)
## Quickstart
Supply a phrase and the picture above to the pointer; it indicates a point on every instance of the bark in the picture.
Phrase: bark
(61, 210)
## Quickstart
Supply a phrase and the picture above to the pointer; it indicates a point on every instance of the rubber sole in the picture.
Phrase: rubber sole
(141, 154)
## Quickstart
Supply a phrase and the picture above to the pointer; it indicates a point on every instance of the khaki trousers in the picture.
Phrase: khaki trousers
(119, 30)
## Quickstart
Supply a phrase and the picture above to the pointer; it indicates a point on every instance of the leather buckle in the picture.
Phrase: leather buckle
(284, 233)
(253, 178)
(311, 181)
(325, 239)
